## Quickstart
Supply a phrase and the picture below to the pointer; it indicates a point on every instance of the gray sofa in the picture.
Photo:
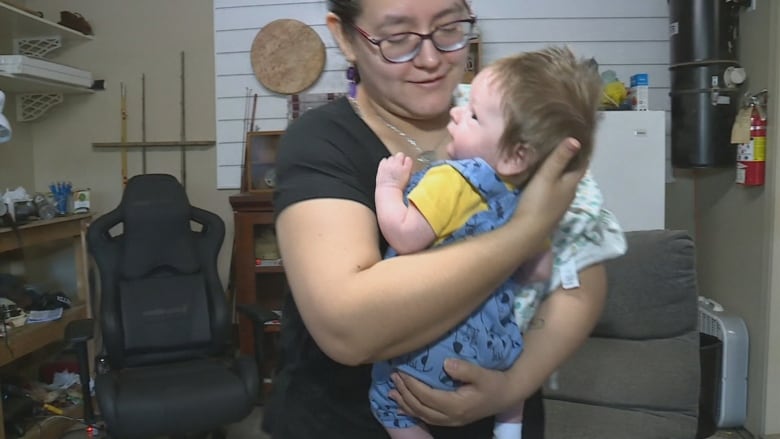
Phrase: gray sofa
(637, 377)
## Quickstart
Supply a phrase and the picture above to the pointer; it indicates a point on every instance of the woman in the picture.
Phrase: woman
(348, 307)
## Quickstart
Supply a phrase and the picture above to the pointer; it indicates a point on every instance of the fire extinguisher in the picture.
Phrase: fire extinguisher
(751, 156)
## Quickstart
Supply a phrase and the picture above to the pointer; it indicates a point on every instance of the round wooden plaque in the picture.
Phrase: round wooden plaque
(287, 56)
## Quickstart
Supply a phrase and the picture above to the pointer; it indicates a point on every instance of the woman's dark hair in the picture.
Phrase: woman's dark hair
(347, 10)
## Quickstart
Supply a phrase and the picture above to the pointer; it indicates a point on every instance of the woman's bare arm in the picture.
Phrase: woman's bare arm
(360, 308)
(562, 324)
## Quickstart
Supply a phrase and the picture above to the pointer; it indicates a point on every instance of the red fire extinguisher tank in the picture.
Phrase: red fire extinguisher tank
(751, 156)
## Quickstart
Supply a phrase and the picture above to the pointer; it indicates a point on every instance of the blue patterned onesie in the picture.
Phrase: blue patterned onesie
(489, 337)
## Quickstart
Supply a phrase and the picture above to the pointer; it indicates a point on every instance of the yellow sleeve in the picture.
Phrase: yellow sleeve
(446, 199)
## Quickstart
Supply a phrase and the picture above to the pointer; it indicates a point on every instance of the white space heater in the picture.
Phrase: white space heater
(731, 330)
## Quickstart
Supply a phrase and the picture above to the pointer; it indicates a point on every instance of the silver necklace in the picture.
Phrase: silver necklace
(424, 157)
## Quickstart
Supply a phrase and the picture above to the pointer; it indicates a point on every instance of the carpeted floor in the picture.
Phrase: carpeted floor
(249, 428)
(732, 434)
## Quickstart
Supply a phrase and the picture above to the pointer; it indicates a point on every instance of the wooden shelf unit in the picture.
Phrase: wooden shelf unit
(10, 83)
(474, 61)
(41, 232)
(253, 211)
(34, 336)
(37, 37)
(259, 160)
(16, 23)
(260, 270)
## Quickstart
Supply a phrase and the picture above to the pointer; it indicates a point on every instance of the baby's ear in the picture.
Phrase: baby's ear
(517, 161)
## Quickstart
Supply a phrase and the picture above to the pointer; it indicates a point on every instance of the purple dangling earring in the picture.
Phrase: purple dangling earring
(354, 78)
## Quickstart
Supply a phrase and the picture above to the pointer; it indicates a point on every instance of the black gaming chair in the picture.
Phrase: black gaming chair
(164, 322)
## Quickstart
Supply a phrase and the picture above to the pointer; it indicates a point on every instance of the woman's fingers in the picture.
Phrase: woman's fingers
(478, 396)
(551, 189)
(406, 395)
(556, 165)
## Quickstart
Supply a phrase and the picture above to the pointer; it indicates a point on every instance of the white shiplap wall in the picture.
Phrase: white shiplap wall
(627, 36)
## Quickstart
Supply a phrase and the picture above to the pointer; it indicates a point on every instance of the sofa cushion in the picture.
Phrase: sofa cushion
(638, 375)
(652, 288)
(573, 420)
(660, 375)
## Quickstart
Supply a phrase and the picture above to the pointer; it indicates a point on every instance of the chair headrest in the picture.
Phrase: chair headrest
(157, 230)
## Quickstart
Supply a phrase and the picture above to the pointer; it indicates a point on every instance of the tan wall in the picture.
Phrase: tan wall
(732, 224)
(680, 201)
(772, 421)
(16, 156)
(16, 165)
(734, 230)
(134, 38)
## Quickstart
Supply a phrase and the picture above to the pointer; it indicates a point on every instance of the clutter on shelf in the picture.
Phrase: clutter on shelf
(22, 303)
(297, 104)
(17, 206)
(616, 96)
(75, 21)
(31, 401)
(61, 192)
(615, 93)
(638, 93)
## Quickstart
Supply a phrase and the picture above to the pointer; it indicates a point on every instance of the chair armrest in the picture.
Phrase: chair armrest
(257, 314)
(79, 331)
(259, 317)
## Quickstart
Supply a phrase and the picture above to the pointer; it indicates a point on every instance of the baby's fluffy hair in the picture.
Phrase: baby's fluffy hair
(547, 96)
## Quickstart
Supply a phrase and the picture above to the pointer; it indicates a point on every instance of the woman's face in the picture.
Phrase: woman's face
(421, 88)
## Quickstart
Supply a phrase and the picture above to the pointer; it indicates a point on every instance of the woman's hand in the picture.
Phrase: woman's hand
(482, 394)
(552, 188)
(560, 326)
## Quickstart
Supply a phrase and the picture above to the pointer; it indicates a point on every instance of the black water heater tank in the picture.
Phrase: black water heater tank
(703, 37)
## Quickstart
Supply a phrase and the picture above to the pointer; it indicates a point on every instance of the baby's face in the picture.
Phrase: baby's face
(477, 125)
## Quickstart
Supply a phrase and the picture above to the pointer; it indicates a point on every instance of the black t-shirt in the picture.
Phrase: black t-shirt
(328, 153)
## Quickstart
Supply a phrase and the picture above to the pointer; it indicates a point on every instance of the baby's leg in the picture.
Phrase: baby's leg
(509, 424)
(415, 432)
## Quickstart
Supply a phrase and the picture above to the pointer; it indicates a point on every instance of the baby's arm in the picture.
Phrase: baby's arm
(404, 227)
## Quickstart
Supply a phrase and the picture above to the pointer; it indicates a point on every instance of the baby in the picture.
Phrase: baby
(520, 108)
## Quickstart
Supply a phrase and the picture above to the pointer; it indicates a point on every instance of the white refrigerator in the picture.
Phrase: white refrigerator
(629, 164)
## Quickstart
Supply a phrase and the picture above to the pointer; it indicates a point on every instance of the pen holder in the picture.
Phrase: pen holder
(61, 203)
(61, 192)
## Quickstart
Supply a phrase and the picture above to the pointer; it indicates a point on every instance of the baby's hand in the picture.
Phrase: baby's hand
(394, 171)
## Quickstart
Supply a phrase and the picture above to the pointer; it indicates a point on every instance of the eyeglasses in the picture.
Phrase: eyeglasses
(403, 47)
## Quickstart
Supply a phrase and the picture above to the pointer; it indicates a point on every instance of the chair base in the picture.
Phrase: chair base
(217, 434)
(79, 433)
